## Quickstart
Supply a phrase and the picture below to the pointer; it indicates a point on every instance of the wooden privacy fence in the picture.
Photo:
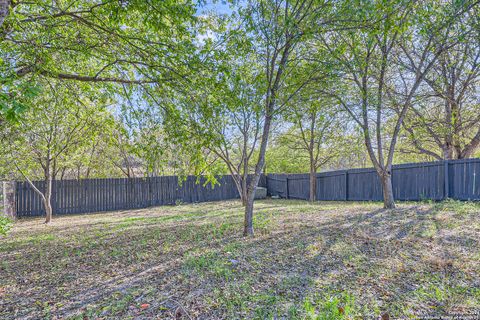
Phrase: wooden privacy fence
(458, 179)
(455, 179)
(93, 195)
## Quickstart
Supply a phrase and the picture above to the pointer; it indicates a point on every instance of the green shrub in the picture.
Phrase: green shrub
(5, 225)
(331, 308)
(263, 222)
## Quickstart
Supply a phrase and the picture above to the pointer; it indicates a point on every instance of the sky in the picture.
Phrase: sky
(219, 7)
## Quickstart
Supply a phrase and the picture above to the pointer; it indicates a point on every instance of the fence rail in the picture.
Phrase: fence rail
(457, 179)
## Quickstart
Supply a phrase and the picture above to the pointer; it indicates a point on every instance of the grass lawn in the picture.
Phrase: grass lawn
(325, 260)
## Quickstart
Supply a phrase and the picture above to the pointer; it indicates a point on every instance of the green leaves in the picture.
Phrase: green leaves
(56, 132)
(15, 97)
(5, 225)
(102, 42)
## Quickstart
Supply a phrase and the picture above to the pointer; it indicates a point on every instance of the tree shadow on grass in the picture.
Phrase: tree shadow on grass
(379, 256)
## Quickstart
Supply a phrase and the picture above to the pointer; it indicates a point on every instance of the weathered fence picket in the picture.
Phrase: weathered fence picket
(94, 195)
(456, 179)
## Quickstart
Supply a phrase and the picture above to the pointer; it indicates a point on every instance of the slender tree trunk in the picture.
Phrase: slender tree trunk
(388, 200)
(241, 187)
(245, 184)
(313, 183)
(9, 189)
(250, 198)
(274, 83)
(248, 222)
(48, 211)
(472, 146)
(252, 186)
(62, 175)
(244, 197)
(245, 170)
(46, 195)
(448, 147)
(448, 152)
(48, 200)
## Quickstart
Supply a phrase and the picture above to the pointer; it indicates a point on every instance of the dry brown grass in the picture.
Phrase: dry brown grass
(190, 261)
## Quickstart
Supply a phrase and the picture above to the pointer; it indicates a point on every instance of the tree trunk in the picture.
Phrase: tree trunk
(388, 200)
(245, 188)
(471, 147)
(48, 211)
(241, 187)
(47, 202)
(448, 152)
(252, 186)
(313, 183)
(4, 4)
(9, 189)
(248, 222)
(244, 196)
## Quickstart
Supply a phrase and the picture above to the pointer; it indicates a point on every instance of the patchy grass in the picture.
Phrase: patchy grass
(5, 224)
(327, 260)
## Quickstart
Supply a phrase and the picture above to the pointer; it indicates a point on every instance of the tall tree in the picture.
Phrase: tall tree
(48, 137)
(238, 125)
(318, 130)
(273, 34)
(104, 42)
(444, 121)
(280, 29)
(371, 57)
(141, 136)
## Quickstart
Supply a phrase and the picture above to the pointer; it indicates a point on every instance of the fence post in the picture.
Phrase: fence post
(446, 180)
(286, 187)
(9, 190)
(346, 185)
(266, 185)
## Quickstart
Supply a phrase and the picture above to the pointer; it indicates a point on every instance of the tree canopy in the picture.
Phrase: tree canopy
(142, 88)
